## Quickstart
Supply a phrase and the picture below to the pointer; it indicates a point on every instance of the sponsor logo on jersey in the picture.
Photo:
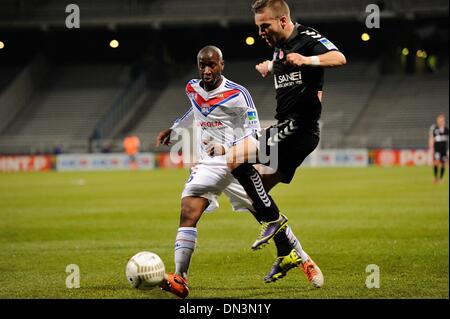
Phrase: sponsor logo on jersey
(289, 79)
(328, 44)
(209, 124)
(278, 54)
(251, 115)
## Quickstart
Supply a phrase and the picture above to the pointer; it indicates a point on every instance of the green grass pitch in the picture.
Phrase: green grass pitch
(346, 219)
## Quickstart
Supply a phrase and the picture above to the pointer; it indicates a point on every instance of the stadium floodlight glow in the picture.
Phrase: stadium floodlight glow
(250, 40)
(421, 54)
(405, 51)
(2, 45)
(114, 43)
(365, 37)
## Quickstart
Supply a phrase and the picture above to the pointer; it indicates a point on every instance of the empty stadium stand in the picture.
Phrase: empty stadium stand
(346, 92)
(401, 111)
(171, 104)
(64, 109)
(9, 72)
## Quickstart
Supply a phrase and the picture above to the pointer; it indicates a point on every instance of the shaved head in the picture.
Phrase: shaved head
(210, 50)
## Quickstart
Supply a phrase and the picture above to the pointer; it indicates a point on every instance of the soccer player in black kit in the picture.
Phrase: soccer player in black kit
(300, 55)
(438, 145)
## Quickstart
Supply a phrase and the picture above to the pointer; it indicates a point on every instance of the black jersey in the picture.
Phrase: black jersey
(440, 137)
(297, 87)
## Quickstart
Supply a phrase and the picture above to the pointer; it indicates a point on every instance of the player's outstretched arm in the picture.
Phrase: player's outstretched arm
(327, 60)
(163, 137)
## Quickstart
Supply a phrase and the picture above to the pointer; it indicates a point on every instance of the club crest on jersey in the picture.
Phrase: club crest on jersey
(279, 54)
(205, 109)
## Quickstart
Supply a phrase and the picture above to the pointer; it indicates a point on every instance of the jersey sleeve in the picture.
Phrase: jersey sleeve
(185, 121)
(248, 115)
(249, 112)
(316, 43)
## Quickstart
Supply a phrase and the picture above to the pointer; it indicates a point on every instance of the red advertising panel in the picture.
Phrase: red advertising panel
(170, 160)
(405, 157)
(25, 163)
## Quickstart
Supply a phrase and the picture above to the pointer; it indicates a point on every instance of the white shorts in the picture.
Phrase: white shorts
(209, 181)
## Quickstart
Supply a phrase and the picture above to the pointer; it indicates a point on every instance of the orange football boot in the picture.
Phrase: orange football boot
(175, 284)
(312, 272)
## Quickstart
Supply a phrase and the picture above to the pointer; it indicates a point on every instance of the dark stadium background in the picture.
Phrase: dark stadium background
(67, 101)
(159, 40)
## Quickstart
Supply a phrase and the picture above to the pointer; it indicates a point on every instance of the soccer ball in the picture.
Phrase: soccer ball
(145, 270)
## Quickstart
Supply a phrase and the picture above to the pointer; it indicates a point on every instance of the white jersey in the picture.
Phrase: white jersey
(224, 115)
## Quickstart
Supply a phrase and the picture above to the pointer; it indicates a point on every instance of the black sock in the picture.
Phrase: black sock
(282, 243)
(249, 178)
(435, 169)
(442, 172)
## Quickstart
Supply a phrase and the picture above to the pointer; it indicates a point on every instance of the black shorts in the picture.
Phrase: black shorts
(285, 146)
(440, 153)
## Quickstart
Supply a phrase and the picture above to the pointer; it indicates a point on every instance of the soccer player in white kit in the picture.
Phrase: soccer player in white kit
(224, 113)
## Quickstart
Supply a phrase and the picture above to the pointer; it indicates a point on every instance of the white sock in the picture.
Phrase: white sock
(295, 243)
(184, 248)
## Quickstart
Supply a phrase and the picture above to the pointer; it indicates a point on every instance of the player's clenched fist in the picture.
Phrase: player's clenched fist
(264, 68)
(297, 59)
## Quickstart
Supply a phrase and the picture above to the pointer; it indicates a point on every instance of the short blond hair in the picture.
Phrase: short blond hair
(279, 7)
